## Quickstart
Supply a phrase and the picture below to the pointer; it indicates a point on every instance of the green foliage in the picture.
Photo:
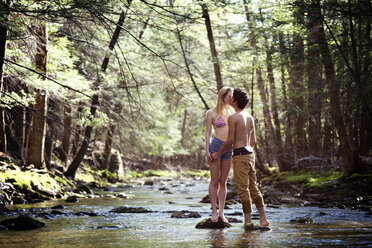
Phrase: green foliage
(198, 173)
(108, 175)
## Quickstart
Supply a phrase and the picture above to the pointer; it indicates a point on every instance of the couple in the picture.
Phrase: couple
(234, 128)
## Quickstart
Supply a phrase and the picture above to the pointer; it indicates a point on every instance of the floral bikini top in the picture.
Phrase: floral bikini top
(220, 122)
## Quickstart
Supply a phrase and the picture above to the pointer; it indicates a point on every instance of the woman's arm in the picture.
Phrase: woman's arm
(208, 133)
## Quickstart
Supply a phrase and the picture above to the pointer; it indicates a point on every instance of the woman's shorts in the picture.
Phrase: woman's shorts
(216, 145)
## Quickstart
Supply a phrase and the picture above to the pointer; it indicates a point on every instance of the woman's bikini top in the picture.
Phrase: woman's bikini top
(220, 122)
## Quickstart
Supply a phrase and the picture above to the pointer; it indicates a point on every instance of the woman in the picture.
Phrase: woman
(220, 168)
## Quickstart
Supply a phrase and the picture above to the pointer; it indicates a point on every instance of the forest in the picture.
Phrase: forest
(104, 102)
(133, 79)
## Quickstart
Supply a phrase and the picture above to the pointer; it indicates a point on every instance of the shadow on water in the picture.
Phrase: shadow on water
(332, 227)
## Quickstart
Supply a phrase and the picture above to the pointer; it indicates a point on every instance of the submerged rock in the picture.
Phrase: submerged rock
(253, 227)
(302, 220)
(185, 214)
(136, 210)
(207, 223)
(22, 222)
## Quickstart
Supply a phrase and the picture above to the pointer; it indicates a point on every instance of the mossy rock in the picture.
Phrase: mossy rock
(302, 220)
(253, 227)
(136, 210)
(208, 224)
(22, 222)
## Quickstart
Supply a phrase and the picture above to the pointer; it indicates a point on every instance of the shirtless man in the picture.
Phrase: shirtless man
(242, 136)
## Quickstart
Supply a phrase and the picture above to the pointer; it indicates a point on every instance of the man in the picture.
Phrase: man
(242, 136)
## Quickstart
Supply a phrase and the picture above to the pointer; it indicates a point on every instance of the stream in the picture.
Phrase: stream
(331, 227)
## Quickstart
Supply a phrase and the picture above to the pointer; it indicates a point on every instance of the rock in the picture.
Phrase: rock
(311, 163)
(207, 223)
(72, 198)
(253, 227)
(3, 228)
(82, 188)
(163, 189)
(57, 212)
(136, 210)
(149, 182)
(22, 222)
(4, 210)
(235, 214)
(233, 220)
(302, 220)
(58, 207)
(89, 213)
(185, 214)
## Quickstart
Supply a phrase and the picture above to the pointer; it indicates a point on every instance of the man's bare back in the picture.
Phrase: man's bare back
(242, 129)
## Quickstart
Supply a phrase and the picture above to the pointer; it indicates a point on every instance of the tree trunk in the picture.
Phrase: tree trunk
(216, 65)
(288, 145)
(35, 153)
(95, 101)
(276, 131)
(4, 14)
(334, 91)
(297, 91)
(66, 140)
(314, 77)
(108, 145)
(183, 130)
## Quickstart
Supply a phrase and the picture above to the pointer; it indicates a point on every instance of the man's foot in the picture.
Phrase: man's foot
(223, 218)
(214, 218)
(264, 223)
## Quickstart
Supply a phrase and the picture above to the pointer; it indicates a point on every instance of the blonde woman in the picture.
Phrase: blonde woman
(220, 168)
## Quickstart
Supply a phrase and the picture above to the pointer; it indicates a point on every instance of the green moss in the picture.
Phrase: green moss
(133, 174)
(25, 180)
(324, 179)
(159, 173)
(107, 174)
(298, 178)
(64, 181)
(197, 173)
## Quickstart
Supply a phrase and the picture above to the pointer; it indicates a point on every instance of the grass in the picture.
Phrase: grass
(310, 179)
(197, 173)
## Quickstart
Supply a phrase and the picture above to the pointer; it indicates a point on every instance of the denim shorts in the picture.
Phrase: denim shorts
(216, 145)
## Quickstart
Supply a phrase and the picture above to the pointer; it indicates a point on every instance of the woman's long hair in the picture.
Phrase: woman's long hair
(221, 95)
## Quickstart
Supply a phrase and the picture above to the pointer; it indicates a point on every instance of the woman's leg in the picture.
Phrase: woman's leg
(214, 168)
(224, 174)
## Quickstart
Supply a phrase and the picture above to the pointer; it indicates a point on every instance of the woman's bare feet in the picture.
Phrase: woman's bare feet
(214, 218)
(223, 218)
(264, 222)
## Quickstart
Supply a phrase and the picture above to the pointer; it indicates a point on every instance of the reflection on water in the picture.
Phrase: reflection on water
(332, 227)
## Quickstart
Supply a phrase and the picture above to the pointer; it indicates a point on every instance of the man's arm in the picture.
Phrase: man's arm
(252, 141)
(229, 141)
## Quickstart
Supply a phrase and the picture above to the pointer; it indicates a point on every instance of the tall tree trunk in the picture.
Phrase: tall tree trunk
(35, 153)
(260, 83)
(288, 144)
(216, 65)
(95, 101)
(334, 91)
(297, 90)
(274, 107)
(66, 140)
(314, 77)
(183, 130)
(4, 6)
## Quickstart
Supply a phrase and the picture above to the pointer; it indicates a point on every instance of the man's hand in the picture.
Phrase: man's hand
(209, 157)
(214, 156)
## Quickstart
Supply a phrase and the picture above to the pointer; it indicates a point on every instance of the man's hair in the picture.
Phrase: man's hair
(241, 97)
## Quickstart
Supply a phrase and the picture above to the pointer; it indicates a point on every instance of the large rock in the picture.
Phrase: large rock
(310, 163)
(185, 214)
(253, 227)
(207, 223)
(22, 222)
(136, 210)
(302, 220)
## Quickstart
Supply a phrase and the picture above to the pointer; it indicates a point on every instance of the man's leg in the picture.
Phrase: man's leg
(241, 176)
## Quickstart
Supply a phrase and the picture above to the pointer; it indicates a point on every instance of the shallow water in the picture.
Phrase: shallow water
(332, 227)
